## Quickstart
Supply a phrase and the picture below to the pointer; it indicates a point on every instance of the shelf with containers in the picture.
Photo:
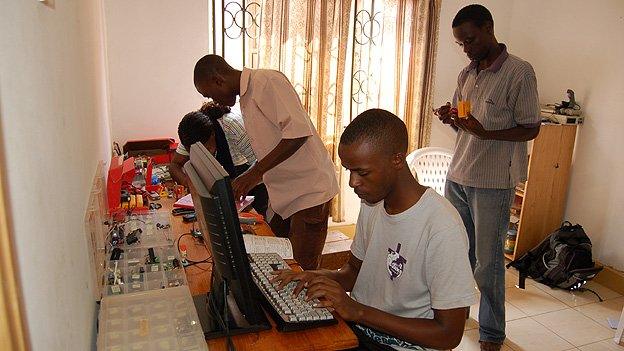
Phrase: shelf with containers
(164, 319)
(136, 270)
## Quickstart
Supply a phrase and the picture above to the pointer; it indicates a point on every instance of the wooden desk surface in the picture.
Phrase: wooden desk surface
(333, 337)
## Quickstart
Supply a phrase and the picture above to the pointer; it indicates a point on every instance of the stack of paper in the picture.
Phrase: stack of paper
(268, 244)
(187, 202)
(184, 202)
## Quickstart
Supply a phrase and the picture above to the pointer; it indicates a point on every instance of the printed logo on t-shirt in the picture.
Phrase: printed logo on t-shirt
(395, 262)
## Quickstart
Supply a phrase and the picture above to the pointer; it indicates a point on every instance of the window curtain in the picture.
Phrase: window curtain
(307, 41)
(393, 59)
(342, 56)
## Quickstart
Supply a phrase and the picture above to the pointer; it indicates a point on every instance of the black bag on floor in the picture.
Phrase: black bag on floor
(562, 260)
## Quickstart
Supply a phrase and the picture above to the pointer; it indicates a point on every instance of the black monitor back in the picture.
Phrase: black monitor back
(213, 199)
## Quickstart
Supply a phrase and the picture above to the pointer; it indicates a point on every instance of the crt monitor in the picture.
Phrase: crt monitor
(232, 306)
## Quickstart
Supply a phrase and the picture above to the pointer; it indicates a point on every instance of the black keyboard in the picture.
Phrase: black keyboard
(289, 312)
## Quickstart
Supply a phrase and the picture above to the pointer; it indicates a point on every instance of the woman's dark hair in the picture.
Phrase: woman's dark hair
(199, 126)
(195, 127)
(214, 111)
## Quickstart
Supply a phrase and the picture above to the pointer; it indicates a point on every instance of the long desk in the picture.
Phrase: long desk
(333, 337)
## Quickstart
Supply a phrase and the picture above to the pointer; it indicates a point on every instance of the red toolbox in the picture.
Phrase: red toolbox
(159, 150)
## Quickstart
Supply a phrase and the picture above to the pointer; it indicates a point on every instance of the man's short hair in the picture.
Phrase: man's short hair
(194, 127)
(477, 14)
(208, 66)
(381, 128)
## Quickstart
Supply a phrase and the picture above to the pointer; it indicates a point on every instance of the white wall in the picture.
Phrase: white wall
(152, 48)
(575, 45)
(571, 44)
(53, 132)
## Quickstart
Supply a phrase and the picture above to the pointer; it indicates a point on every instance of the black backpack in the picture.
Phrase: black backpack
(562, 260)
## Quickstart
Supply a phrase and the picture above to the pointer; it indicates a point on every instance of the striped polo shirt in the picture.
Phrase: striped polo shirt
(501, 96)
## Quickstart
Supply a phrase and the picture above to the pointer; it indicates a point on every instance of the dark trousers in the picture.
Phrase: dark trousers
(307, 230)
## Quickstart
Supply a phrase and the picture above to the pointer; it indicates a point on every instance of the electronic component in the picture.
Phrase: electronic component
(139, 200)
(136, 274)
(115, 278)
(179, 191)
(125, 196)
(116, 254)
(152, 258)
(133, 237)
(175, 282)
(190, 217)
(116, 234)
(163, 226)
(249, 218)
(181, 211)
(561, 119)
(182, 249)
(196, 233)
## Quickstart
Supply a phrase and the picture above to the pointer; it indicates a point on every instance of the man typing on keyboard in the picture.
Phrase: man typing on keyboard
(408, 273)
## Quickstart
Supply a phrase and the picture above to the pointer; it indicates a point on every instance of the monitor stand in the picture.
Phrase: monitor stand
(229, 321)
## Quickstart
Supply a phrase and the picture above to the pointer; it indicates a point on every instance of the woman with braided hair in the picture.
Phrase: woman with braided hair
(222, 131)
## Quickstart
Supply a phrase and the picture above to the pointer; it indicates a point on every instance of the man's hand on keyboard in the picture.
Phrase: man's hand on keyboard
(332, 295)
(285, 276)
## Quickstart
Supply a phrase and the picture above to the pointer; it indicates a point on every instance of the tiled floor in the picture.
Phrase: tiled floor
(543, 319)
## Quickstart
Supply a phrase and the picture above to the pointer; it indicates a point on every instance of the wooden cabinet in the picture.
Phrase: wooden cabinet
(540, 203)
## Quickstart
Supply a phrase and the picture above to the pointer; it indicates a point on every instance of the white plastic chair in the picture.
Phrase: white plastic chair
(429, 165)
(620, 329)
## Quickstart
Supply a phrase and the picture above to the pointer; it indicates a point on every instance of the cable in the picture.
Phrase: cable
(132, 218)
(209, 301)
(591, 291)
(116, 148)
(206, 260)
(198, 267)
(212, 309)
(230, 344)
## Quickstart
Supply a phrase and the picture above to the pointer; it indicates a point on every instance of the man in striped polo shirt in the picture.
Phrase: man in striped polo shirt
(490, 155)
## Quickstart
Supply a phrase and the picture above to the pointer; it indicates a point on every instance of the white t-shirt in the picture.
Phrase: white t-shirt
(413, 261)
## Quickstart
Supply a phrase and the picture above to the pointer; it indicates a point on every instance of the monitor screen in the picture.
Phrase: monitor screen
(232, 307)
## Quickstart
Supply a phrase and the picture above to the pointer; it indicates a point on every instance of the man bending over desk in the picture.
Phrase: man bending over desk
(292, 159)
(408, 273)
